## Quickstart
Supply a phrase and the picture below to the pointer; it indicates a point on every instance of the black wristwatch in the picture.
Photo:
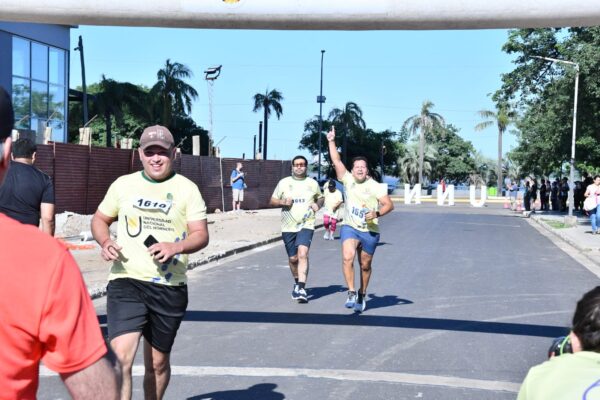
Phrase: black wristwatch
(378, 214)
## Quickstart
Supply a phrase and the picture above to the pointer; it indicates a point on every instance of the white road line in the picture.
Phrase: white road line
(335, 374)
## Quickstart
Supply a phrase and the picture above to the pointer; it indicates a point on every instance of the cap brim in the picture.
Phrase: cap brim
(156, 143)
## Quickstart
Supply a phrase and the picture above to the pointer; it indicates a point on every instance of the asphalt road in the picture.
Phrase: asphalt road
(462, 302)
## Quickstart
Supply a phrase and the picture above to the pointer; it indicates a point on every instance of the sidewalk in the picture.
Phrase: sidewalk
(229, 233)
(579, 236)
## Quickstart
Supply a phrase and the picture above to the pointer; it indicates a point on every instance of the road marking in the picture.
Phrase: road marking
(334, 374)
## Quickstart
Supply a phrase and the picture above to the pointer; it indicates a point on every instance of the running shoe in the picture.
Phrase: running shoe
(351, 299)
(302, 296)
(361, 303)
(326, 235)
(295, 292)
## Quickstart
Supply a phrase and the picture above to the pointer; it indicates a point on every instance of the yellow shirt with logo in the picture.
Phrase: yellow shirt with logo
(303, 193)
(161, 209)
(331, 199)
(360, 199)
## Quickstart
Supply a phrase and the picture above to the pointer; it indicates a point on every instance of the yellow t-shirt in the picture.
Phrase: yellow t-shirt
(360, 199)
(303, 192)
(160, 209)
(331, 199)
(565, 377)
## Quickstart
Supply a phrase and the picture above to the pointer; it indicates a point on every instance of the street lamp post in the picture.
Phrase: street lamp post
(573, 136)
(210, 75)
(320, 100)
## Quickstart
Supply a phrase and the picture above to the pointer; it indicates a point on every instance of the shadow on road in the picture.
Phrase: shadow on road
(318, 292)
(385, 301)
(262, 391)
(441, 324)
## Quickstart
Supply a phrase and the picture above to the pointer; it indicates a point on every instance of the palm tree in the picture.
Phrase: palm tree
(113, 98)
(350, 118)
(408, 164)
(424, 123)
(269, 100)
(173, 94)
(503, 117)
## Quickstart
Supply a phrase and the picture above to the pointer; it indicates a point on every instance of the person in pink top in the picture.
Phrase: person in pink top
(592, 193)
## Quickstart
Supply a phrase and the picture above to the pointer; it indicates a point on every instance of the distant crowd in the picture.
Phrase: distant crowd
(548, 195)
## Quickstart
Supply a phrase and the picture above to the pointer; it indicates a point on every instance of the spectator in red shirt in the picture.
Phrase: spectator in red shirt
(46, 312)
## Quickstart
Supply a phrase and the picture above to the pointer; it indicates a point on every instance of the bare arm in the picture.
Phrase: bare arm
(197, 239)
(340, 168)
(47, 217)
(385, 206)
(101, 233)
(101, 380)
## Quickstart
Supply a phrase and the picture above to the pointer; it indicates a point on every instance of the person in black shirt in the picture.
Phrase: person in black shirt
(27, 193)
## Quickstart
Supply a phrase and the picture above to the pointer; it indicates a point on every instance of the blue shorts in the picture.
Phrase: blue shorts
(294, 239)
(367, 240)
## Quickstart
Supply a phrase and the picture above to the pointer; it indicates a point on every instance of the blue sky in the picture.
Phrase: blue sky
(387, 73)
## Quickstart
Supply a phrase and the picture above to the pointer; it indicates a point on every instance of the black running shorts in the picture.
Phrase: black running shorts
(155, 310)
(294, 239)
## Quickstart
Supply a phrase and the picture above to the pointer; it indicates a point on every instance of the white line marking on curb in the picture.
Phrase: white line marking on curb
(336, 374)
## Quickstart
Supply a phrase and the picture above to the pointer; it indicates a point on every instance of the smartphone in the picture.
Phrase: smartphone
(150, 240)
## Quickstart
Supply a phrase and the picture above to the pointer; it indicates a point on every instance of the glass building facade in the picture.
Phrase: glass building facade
(38, 82)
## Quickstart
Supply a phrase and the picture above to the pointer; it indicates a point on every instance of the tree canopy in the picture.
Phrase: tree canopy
(544, 93)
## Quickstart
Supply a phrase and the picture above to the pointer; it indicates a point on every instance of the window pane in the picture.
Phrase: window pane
(39, 100)
(20, 57)
(58, 130)
(57, 102)
(20, 99)
(57, 66)
(39, 62)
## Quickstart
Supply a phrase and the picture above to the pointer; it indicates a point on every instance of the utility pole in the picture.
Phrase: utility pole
(85, 102)
(260, 149)
(320, 100)
(254, 148)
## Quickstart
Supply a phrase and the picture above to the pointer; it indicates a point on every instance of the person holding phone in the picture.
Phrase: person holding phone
(161, 218)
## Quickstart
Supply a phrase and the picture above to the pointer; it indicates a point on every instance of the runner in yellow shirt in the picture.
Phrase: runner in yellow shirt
(366, 201)
(299, 198)
(161, 218)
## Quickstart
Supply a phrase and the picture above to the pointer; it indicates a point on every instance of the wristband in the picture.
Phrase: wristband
(378, 214)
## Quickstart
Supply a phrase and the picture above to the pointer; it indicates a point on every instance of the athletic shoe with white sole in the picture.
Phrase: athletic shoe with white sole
(302, 296)
(361, 303)
(351, 299)
(295, 292)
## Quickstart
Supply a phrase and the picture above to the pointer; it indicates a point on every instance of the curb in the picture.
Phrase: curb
(100, 291)
(584, 251)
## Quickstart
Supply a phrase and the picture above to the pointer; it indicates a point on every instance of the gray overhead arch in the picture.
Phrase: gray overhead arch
(308, 14)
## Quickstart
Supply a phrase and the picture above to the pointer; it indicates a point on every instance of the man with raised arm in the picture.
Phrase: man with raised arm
(366, 201)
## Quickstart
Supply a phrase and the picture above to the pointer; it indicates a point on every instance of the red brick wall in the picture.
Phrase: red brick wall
(83, 174)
